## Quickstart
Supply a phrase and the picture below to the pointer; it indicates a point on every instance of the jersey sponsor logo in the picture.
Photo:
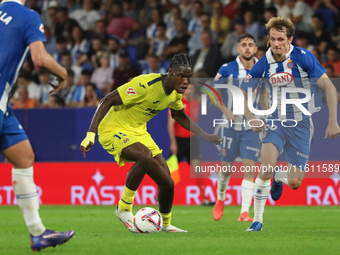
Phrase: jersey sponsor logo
(131, 91)
(140, 84)
(247, 78)
(280, 79)
(151, 112)
(42, 28)
(156, 102)
(217, 76)
(290, 64)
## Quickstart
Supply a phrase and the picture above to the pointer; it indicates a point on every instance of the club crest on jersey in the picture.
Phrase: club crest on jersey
(131, 91)
(280, 79)
(290, 64)
(247, 78)
(42, 28)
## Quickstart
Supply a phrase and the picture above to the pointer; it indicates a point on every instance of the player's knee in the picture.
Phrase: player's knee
(144, 160)
(294, 183)
(25, 161)
(168, 184)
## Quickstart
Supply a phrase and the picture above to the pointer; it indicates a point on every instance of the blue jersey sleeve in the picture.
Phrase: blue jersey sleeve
(311, 65)
(221, 75)
(253, 78)
(34, 30)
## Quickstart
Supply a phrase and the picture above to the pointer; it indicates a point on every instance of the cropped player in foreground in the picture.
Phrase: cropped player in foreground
(121, 121)
(238, 138)
(22, 30)
(287, 68)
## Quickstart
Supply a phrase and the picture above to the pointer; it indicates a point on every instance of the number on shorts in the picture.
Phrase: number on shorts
(230, 140)
(118, 135)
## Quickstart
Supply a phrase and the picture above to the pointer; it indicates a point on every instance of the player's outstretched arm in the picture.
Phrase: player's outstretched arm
(104, 106)
(44, 61)
(333, 130)
(185, 121)
(171, 131)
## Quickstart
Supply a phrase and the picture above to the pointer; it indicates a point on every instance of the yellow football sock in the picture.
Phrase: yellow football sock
(166, 218)
(126, 201)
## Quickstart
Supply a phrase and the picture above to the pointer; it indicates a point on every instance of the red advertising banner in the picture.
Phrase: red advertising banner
(103, 183)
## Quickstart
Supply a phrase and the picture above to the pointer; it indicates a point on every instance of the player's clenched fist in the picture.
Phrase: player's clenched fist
(87, 143)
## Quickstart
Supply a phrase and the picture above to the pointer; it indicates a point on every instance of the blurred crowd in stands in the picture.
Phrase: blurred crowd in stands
(105, 43)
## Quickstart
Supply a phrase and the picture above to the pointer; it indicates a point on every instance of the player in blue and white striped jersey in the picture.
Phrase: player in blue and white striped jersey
(237, 136)
(22, 30)
(293, 72)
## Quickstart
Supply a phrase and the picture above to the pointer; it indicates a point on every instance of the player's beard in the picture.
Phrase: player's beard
(247, 58)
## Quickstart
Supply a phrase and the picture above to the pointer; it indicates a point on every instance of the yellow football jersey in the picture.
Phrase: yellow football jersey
(143, 98)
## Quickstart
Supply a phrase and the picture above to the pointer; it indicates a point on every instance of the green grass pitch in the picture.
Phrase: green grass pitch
(287, 230)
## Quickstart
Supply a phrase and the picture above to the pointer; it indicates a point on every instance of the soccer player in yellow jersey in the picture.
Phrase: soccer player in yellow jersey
(121, 121)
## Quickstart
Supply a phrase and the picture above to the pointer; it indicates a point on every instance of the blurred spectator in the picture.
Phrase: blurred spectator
(233, 9)
(50, 44)
(120, 25)
(100, 31)
(66, 62)
(187, 9)
(125, 72)
(229, 47)
(24, 102)
(195, 23)
(282, 9)
(208, 7)
(68, 92)
(79, 92)
(25, 79)
(323, 48)
(130, 9)
(61, 49)
(45, 87)
(180, 42)
(145, 13)
(319, 33)
(73, 5)
(334, 79)
(300, 14)
(158, 44)
(195, 41)
(78, 44)
(52, 18)
(219, 23)
(152, 66)
(87, 16)
(252, 26)
(329, 11)
(207, 59)
(102, 76)
(151, 30)
(114, 45)
(301, 40)
(91, 98)
(169, 19)
(64, 25)
(269, 13)
(55, 101)
(261, 51)
(333, 60)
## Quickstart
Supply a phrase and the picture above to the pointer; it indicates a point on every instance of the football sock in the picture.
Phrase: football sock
(281, 176)
(222, 186)
(126, 201)
(247, 190)
(166, 218)
(26, 194)
(261, 194)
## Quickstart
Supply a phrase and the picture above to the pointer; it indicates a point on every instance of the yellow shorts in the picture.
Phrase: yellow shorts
(116, 140)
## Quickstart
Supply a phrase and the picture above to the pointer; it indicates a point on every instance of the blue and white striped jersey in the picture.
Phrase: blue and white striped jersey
(19, 27)
(233, 73)
(300, 69)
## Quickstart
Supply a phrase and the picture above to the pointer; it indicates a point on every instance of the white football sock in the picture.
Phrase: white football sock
(27, 197)
(261, 194)
(222, 186)
(281, 176)
(247, 190)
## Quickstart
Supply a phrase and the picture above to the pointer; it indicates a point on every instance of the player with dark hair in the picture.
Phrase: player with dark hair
(121, 121)
(22, 30)
(287, 68)
(238, 138)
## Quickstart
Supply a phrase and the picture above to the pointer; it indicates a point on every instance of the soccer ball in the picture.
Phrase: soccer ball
(148, 220)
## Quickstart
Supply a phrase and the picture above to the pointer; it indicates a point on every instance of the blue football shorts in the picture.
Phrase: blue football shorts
(244, 143)
(11, 132)
(295, 142)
